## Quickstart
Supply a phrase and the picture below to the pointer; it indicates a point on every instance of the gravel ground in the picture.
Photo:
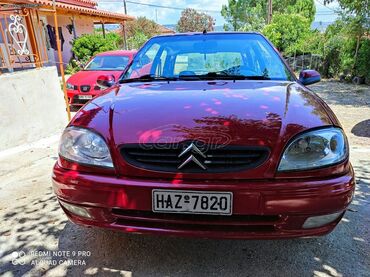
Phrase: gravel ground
(30, 221)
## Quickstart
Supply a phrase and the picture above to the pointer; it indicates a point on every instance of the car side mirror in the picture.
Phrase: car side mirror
(105, 81)
(309, 77)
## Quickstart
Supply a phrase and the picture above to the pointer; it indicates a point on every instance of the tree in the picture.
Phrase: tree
(238, 13)
(358, 7)
(137, 40)
(139, 31)
(254, 19)
(356, 17)
(286, 30)
(305, 8)
(250, 15)
(142, 25)
(193, 21)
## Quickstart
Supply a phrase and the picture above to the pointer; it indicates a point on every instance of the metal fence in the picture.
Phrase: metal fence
(22, 40)
(308, 61)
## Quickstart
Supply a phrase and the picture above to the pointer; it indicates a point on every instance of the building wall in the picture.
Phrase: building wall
(32, 106)
(83, 25)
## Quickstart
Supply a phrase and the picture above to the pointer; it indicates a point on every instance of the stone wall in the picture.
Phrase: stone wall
(32, 106)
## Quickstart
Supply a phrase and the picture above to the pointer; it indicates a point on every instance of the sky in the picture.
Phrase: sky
(170, 16)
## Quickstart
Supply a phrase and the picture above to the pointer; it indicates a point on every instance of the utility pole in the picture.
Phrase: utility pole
(61, 68)
(269, 11)
(123, 25)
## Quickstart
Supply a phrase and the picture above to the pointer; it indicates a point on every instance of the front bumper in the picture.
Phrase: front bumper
(261, 209)
(73, 97)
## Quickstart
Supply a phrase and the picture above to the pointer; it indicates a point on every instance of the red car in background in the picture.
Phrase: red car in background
(82, 86)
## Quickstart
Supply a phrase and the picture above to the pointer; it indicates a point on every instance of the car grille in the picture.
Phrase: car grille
(212, 159)
(234, 223)
(85, 88)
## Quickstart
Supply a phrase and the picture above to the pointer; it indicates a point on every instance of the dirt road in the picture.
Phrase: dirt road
(37, 239)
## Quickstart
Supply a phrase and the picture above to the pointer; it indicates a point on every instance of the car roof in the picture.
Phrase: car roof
(209, 33)
(118, 53)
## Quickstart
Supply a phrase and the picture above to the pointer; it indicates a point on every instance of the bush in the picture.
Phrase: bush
(87, 46)
(287, 30)
(363, 62)
(74, 66)
(137, 40)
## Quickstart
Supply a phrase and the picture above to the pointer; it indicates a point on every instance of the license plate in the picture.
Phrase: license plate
(85, 97)
(192, 202)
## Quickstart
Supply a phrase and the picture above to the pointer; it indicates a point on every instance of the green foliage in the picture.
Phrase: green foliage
(74, 66)
(142, 25)
(136, 40)
(251, 14)
(363, 65)
(254, 19)
(287, 30)
(239, 14)
(193, 21)
(340, 48)
(305, 8)
(359, 8)
(351, 34)
(344, 47)
(311, 42)
(88, 45)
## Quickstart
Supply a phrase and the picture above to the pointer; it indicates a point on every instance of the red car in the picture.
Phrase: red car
(82, 86)
(218, 140)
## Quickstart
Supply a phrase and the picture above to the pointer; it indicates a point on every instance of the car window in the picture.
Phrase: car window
(198, 63)
(239, 54)
(108, 63)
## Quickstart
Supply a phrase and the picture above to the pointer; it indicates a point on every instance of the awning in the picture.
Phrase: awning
(100, 15)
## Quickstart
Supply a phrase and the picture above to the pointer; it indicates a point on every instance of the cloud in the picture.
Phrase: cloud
(170, 16)
(165, 16)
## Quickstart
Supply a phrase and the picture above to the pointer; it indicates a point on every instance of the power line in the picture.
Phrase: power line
(331, 12)
(322, 4)
(157, 6)
(326, 13)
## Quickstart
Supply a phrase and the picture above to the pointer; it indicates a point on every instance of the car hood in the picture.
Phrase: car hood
(243, 113)
(86, 77)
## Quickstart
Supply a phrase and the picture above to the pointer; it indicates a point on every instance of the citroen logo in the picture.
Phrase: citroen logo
(192, 150)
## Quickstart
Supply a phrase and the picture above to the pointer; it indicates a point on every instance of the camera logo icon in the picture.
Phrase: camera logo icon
(17, 258)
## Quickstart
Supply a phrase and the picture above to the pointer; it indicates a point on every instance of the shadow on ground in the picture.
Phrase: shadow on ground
(41, 226)
(336, 93)
(362, 129)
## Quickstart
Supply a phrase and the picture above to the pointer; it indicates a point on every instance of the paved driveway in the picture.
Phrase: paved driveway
(36, 238)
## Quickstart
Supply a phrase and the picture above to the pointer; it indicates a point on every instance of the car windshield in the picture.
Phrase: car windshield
(207, 56)
(108, 63)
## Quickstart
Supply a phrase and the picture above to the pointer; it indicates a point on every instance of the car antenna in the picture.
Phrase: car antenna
(204, 31)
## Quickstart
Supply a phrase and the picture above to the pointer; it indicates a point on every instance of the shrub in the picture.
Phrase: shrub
(363, 62)
(286, 30)
(74, 66)
(88, 45)
(137, 40)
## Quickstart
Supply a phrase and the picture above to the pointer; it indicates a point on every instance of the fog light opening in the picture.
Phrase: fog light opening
(76, 210)
(319, 221)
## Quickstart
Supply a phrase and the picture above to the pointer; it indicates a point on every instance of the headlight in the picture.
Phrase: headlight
(85, 147)
(70, 86)
(315, 149)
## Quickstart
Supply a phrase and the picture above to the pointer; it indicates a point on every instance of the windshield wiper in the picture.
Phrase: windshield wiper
(222, 76)
(256, 77)
(148, 78)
